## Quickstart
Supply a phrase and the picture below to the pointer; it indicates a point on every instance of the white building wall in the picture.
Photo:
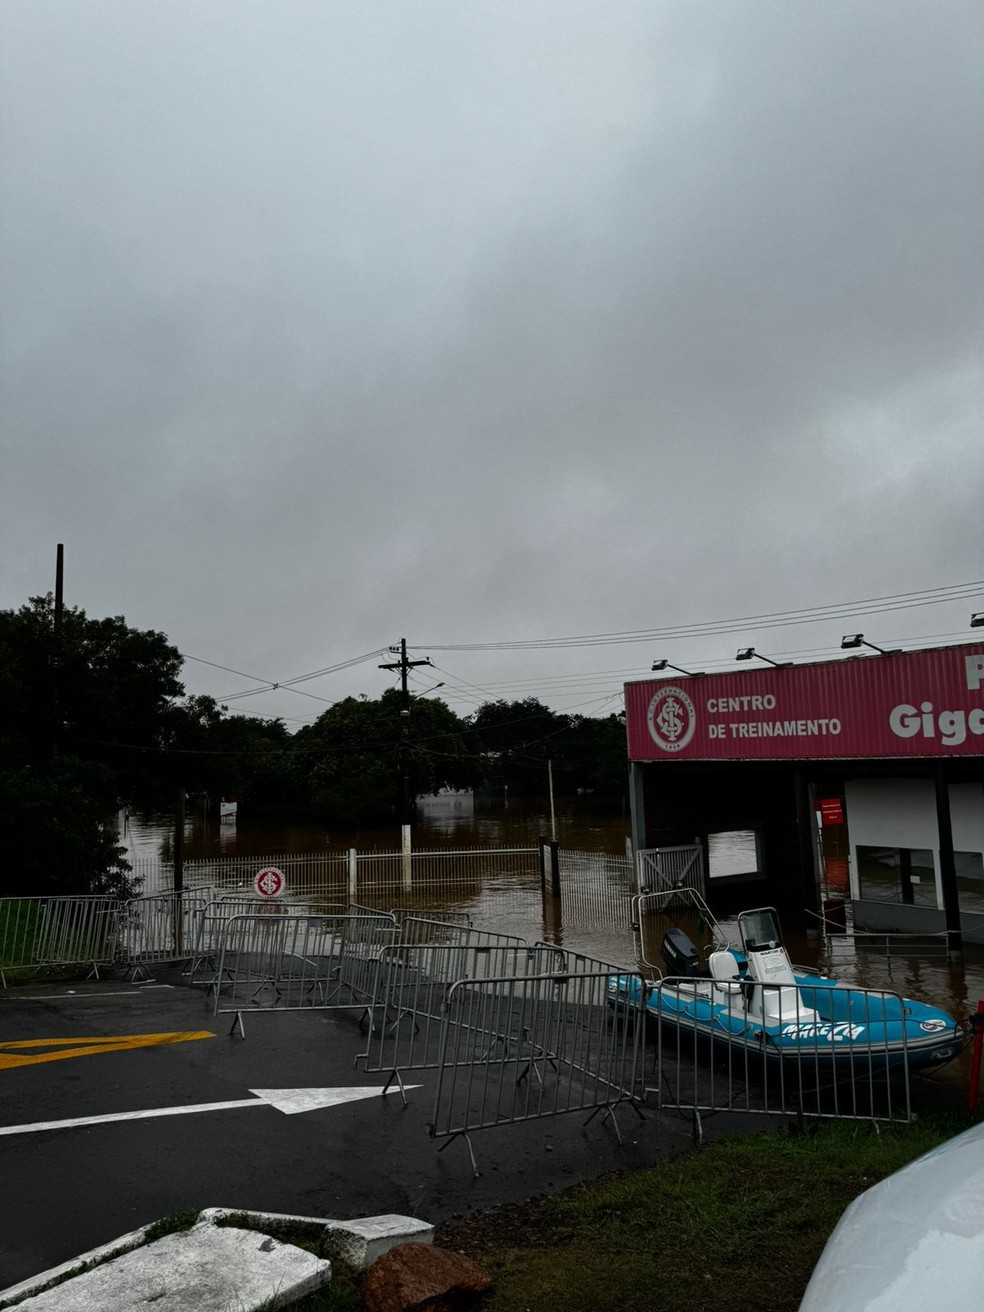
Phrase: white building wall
(902, 813)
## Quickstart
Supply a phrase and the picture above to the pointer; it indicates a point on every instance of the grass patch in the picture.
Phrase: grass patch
(340, 1295)
(174, 1223)
(735, 1227)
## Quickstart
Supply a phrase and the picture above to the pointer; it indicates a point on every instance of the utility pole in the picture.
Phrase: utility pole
(404, 665)
(56, 648)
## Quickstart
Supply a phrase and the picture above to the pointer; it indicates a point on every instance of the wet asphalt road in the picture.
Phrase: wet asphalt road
(66, 1190)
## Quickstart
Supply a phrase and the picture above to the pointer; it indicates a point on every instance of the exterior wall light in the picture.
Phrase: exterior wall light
(859, 640)
(747, 653)
(665, 665)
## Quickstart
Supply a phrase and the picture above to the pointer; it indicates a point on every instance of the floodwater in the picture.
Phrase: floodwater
(455, 820)
(460, 822)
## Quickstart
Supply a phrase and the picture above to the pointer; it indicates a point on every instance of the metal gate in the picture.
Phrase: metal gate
(664, 868)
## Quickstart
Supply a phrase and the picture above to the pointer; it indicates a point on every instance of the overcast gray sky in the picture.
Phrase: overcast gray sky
(327, 323)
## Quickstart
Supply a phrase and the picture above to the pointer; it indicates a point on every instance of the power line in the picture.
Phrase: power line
(776, 619)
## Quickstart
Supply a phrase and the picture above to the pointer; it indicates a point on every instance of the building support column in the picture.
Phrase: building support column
(806, 827)
(637, 818)
(948, 866)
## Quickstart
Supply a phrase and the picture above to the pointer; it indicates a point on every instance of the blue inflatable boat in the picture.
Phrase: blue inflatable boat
(750, 1000)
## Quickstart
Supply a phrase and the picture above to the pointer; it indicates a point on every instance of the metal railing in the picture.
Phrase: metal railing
(212, 924)
(682, 908)
(159, 928)
(778, 1057)
(519, 1047)
(299, 962)
(53, 932)
(410, 996)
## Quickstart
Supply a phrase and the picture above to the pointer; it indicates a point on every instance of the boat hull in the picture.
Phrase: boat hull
(827, 1029)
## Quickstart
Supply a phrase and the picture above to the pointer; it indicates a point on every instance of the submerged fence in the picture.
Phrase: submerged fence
(355, 876)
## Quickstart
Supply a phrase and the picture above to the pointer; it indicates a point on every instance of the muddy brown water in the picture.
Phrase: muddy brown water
(601, 931)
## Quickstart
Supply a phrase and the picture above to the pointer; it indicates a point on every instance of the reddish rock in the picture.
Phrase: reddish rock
(422, 1278)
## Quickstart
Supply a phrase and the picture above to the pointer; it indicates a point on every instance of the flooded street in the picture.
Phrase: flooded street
(597, 926)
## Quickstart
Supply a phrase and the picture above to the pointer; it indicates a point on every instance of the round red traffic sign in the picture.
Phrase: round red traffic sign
(270, 882)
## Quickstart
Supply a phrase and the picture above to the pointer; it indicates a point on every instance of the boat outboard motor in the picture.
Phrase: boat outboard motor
(679, 953)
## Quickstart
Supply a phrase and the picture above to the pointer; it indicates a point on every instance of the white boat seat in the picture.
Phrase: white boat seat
(724, 972)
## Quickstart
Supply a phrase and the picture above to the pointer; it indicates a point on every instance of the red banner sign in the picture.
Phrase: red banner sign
(920, 703)
(831, 811)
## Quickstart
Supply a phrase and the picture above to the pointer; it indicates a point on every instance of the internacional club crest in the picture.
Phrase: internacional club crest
(672, 719)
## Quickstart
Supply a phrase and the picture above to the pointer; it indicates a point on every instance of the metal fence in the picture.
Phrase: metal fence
(50, 932)
(519, 1047)
(209, 936)
(351, 875)
(159, 928)
(715, 1055)
(596, 888)
(411, 989)
(299, 962)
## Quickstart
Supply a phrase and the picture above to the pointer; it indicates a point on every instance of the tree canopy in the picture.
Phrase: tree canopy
(93, 716)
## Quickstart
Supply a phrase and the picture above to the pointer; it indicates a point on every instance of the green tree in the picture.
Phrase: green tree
(212, 753)
(86, 712)
(351, 758)
(592, 757)
(516, 740)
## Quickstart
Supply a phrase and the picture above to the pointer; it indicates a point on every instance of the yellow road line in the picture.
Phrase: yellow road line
(13, 1054)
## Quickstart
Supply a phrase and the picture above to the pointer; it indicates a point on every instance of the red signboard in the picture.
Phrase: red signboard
(919, 703)
(831, 811)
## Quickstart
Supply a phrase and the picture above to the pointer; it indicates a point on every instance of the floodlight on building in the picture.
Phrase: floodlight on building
(851, 640)
(665, 665)
(747, 653)
(977, 621)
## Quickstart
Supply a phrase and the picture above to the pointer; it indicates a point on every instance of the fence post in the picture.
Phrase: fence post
(550, 867)
(353, 875)
(407, 859)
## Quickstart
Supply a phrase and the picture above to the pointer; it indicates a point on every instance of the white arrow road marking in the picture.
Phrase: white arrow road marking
(289, 1101)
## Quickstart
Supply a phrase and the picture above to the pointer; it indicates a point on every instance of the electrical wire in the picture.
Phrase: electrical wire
(776, 619)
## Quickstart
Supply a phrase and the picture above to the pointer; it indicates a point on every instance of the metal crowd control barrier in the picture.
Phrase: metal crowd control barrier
(405, 913)
(299, 962)
(411, 991)
(725, 1059)
(215, 917)
(519, 1047)
(160, 928)
(52, 932)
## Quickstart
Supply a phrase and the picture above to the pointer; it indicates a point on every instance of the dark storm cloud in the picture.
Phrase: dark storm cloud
(327, 323)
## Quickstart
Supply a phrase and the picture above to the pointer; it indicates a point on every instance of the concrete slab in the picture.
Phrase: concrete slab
(207, 1267)
(356, 1243)
(359, 1243)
